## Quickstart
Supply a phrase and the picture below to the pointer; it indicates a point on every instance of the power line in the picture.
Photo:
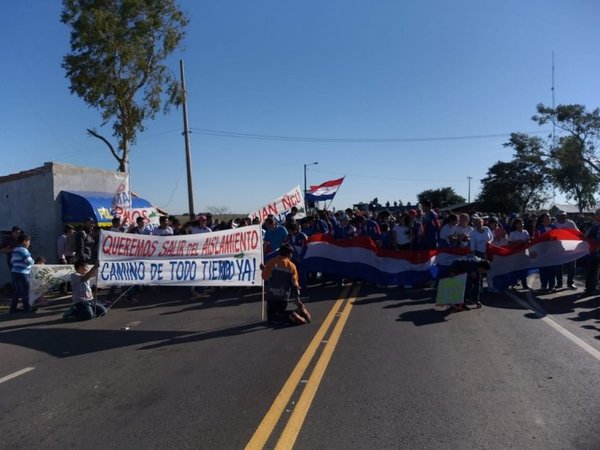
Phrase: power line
(269, 137)
(379, 177)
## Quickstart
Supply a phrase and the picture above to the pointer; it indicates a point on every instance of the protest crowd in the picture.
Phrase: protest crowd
(420, 229)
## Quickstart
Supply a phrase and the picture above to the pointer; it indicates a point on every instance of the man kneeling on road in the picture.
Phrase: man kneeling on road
(474, 268)
(83, 304)
(281, 276)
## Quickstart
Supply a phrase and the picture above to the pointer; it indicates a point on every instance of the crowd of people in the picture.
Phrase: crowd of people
(421, 228)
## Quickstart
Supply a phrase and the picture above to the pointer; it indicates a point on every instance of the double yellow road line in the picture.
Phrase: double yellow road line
(340, 309)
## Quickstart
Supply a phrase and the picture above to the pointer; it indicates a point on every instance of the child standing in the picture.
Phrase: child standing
(21, 262)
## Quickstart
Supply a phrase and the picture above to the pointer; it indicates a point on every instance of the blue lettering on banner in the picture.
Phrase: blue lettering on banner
(156, 270)
(123, 271)
(183, 270)
(246, 269)
(219, 270)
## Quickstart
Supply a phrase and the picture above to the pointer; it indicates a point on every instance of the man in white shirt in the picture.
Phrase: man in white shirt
(199, 225)
(163, 228)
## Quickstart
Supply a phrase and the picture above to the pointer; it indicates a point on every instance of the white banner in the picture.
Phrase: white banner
(281, 206)
(46, 277)
(221, 258)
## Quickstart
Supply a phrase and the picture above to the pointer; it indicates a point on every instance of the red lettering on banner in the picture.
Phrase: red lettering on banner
(128, 246)
(290, 201)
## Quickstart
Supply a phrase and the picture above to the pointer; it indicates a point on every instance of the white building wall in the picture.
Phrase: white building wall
(31, 200)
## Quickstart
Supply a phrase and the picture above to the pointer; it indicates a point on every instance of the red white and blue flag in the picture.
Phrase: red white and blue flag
(554, 248)
(324, 191)
(359, 258)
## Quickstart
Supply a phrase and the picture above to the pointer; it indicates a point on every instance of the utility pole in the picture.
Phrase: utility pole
(186, 134)
(552, 89)
(469, 178)
(305, 189)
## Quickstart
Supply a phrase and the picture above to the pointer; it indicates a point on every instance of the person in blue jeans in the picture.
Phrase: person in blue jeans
(21, 262)
(83, 304)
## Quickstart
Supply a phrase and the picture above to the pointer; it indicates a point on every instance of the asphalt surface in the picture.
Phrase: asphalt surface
(521, 372)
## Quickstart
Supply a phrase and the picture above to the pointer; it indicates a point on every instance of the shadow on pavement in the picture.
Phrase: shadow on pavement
(424, 316)
(67, 342)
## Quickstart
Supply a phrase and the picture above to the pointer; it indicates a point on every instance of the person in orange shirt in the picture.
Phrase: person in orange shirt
(281, 277)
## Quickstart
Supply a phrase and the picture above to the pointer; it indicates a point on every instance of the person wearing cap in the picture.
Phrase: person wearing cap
(564, 223)
(281, 282)
(344, 230)
(84, 241)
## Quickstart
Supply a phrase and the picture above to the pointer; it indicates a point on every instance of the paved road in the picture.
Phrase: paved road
(377, 369)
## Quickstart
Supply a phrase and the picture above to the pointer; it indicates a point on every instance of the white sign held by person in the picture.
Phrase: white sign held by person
(47, 277)
(281, 206)
(221, 258)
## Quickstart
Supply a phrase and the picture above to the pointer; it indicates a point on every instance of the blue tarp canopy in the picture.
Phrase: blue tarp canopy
(77, 206)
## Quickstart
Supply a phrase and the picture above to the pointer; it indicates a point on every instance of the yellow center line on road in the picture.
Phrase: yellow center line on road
(266, 427)
(292, 429)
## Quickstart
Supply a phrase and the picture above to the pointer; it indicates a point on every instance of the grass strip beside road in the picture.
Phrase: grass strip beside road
(269, 422)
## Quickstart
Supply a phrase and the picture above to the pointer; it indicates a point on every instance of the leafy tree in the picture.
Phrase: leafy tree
(582, 128)
(116, 63)
(520, 183)
(441, 198)
(571, 176)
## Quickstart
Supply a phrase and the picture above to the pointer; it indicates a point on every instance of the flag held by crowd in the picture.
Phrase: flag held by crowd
(359, 258)
(554, 248)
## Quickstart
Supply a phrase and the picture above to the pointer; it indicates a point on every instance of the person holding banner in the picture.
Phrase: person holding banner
(83, 304)
(281, 277)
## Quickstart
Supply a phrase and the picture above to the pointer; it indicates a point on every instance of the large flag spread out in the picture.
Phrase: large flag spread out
(553, 248)
(324, 191)
(359, 258)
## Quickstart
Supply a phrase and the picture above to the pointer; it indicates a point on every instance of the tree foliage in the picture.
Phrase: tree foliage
(582, 128)
(116, 62)
(518, 184)
(571, 176)
(441, 198)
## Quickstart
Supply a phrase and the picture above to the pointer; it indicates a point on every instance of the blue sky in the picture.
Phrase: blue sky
(409, 72)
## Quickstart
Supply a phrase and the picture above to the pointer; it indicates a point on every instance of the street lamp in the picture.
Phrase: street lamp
(305, 190)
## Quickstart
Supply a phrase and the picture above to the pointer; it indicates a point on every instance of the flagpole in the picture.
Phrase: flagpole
(336, 192)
